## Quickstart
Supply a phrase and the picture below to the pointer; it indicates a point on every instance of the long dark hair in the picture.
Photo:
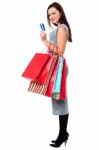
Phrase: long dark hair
(63, 19)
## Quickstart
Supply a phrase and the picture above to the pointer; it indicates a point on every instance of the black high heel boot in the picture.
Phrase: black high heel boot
(63, 134)
(67, 135)
(59, 142)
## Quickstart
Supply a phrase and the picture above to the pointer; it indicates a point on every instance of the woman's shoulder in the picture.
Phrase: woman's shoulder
(65, 27)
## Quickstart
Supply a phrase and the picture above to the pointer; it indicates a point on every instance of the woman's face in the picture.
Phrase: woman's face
(54, 15)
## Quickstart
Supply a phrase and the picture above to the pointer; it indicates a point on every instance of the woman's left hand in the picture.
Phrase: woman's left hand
(43, 36)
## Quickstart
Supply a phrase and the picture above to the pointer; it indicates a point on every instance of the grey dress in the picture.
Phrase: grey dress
(59, 107)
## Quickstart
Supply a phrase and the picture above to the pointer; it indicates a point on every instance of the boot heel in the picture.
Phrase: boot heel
(65, 142)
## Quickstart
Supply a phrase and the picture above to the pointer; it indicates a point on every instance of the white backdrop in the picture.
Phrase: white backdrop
(26, 120)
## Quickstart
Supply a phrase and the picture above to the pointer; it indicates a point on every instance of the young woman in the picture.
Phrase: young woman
(58, 39)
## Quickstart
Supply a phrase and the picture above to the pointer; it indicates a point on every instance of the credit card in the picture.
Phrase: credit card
(42, 26)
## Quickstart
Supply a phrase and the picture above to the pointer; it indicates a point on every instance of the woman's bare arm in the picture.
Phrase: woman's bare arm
(61, 40)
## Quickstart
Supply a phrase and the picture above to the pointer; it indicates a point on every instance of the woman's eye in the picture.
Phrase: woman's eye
(51, 14)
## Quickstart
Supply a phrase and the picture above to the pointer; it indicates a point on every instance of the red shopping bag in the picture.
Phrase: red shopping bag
(42, 88)
(63, 91)
(51, 83)
(35, 66)
(45, 71)
(63, 94)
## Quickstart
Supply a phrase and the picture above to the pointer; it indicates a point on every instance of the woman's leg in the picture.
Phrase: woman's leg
(63, 122)
(63, 134)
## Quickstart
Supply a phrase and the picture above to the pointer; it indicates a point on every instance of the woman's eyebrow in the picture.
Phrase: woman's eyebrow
(51, 12)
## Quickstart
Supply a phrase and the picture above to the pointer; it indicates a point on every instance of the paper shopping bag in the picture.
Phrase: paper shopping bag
(35, 66)
(62, 95)
(42, 88)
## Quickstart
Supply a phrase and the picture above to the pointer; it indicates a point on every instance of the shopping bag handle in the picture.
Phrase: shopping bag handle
(44, 50)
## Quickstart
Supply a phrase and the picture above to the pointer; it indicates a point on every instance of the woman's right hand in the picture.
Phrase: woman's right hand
(43, 36)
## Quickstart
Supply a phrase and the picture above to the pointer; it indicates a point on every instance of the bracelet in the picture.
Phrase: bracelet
(49, 47)
(57, 50)
(54, 48)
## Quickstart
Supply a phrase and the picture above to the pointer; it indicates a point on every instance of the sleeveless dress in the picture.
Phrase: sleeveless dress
(59, 107)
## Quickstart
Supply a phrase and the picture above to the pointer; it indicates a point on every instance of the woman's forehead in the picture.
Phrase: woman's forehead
(51, 10)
